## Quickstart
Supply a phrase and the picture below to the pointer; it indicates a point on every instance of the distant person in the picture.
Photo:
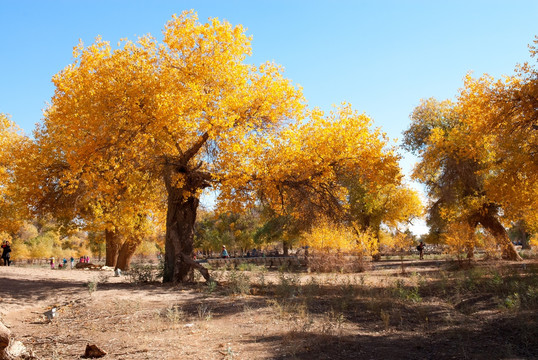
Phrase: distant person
(65, 262)
(224, 252)
(6, 253)
(72, 262)
(52, 262)
(420, 249)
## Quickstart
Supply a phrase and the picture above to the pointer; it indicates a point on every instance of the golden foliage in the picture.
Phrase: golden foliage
(460, 238)
(478, 154)
(130, 126)
(12, 209)
(500, 116)
(121, 118)
(328, 237)
(299, 168)
(399, 242)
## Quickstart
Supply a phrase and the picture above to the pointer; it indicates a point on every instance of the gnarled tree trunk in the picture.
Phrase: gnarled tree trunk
(125, 255)
(181, 215)
(493, 225)
(523, 232)
(113, 245)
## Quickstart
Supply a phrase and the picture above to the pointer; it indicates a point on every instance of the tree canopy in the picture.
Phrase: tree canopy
(478, 153)
(11, 141)
(188, 113)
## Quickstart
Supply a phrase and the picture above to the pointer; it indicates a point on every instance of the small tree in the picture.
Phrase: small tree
(401, 244)
(330, 246)
(461, 240)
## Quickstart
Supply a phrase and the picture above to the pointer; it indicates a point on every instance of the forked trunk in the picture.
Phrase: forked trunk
(113, 244)
(126, 254)
(493, 225)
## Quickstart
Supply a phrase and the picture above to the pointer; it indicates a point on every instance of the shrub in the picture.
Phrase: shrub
(288, 285)
(173, 314)
(239, 283)
(335, 247)
(246, 267)
(143, 274)
(460, 239)
(407, 293)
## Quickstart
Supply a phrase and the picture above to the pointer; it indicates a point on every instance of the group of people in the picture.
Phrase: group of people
(6, 258)
(6, 253)
(63, 263)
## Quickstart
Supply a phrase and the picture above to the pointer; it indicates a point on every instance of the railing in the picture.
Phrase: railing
(269, 261)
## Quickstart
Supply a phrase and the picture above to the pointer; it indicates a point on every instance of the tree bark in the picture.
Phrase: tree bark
(113, 244)
(524, 241)
(125, 255)
(493, 225)
(470, 252)
(179, 245)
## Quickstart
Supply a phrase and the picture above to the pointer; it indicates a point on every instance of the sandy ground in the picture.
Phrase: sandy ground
(332, 317)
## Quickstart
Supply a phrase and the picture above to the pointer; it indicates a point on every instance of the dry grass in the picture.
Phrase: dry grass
(431, 311)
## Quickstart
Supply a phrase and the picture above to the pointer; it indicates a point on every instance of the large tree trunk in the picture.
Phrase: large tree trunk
(179, 245)
(113, 244)
(126, 254)
(522, 231)
(493, 225)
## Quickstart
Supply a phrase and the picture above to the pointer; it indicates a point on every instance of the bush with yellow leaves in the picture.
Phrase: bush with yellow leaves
(336, 247)
(461, 240)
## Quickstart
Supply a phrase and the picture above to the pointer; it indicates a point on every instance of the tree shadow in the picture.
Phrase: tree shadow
(515, 337)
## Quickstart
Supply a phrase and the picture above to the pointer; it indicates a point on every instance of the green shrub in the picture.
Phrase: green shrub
(239, 283)
(288, 285)
(407, 293)
(139, 274)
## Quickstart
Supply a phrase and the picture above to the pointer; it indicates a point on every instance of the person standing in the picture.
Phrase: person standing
(72, 262)
(6, 253)
(420, 249)
(224, 252)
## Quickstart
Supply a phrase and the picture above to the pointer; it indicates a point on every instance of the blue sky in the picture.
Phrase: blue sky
(381, 56)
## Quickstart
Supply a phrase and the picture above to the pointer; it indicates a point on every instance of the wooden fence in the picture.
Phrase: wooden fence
(270, 261)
